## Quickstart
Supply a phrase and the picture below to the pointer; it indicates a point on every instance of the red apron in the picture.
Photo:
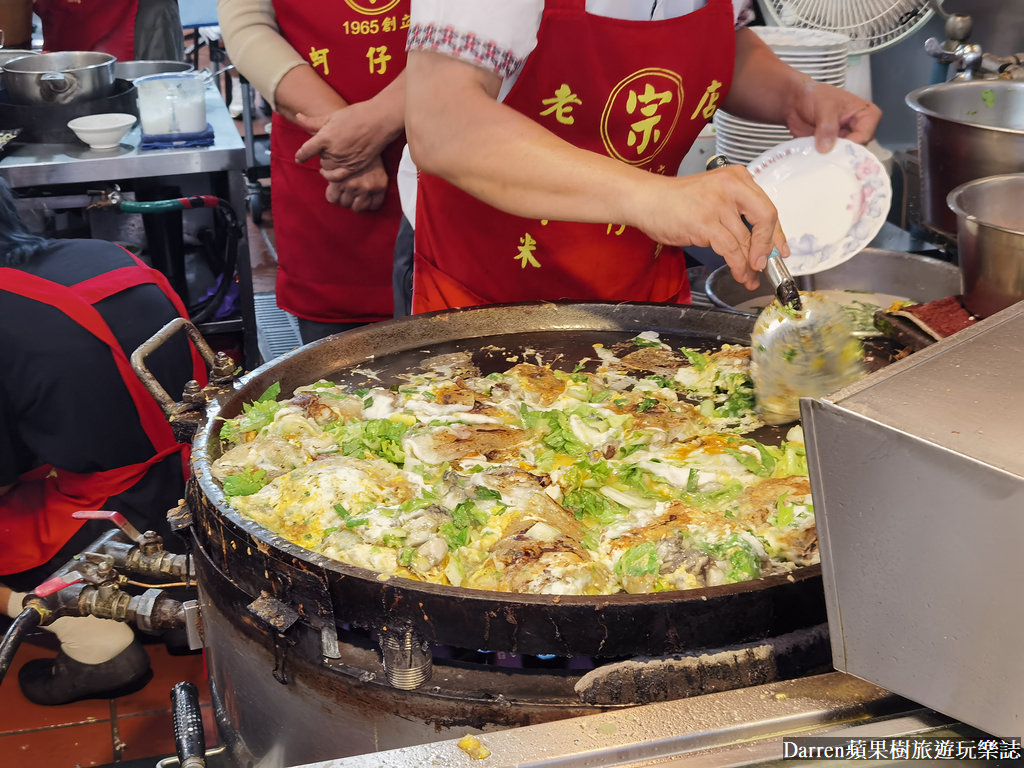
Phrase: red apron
(334, 265)
(89, 25)
(35, 515)
(638, 91)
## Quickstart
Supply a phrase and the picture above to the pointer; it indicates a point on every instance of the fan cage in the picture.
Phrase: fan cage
(871, 25)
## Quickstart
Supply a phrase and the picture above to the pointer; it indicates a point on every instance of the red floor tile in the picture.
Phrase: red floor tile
(66, 747)
(261, 254)
(97, 732)
(145, 735)
(168, 670)
(152, 734)
(19, 714)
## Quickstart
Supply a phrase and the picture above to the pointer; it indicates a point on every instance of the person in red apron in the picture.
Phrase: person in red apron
(334, 75)
(566, 189)
(89, 25)
(81, 432)
(127, 29)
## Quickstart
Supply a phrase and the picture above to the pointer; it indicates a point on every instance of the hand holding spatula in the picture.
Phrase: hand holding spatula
(802, 345)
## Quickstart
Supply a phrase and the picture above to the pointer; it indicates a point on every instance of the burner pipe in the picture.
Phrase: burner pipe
(25, 622)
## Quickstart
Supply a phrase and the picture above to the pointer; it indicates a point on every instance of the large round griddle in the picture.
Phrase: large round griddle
(326, 593)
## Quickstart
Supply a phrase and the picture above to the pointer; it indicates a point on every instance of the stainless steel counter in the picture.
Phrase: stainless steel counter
(29, 165)
(219, 169)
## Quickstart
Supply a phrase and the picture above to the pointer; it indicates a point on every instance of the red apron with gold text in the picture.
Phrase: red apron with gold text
(637, 91)
(35, 515)
(89, 25)
(335, 265)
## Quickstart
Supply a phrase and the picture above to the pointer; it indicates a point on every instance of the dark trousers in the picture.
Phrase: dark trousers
(401, 272)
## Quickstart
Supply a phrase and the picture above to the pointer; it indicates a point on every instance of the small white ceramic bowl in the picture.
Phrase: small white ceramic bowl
(103, 131)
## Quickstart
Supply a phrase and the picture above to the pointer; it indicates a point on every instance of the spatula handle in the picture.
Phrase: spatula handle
(785, 286)
(776, 270)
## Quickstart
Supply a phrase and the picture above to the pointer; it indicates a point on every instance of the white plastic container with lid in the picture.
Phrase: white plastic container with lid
(172, 103)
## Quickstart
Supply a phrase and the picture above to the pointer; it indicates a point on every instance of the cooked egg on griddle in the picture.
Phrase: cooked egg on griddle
(632, 475)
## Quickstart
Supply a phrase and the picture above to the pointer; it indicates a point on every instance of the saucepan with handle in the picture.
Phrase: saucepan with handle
(62, 77)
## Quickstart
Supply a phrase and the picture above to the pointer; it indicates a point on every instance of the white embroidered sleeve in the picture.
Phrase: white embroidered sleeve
(497, 35)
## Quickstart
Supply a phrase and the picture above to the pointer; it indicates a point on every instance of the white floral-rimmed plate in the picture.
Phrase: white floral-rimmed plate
(830, 205)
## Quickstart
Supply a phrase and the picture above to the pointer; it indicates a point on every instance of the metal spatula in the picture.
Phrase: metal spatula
(805, 350)
(802, 345)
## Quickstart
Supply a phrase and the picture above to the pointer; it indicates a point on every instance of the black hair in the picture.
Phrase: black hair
(17, 244)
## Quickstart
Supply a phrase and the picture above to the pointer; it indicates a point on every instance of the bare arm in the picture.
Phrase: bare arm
(303, 91)
(458, 131)
(766, 89)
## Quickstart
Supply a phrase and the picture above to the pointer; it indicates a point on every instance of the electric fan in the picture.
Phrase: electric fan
(871, 25)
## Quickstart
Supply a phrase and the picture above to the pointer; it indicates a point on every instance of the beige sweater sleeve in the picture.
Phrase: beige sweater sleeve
(255, 44)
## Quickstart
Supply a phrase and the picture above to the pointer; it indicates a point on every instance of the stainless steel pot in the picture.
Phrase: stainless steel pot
(990, 241)
(965, 130)
(63, 77)
(873, 270)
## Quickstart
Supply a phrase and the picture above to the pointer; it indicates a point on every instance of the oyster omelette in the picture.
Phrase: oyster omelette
(636, 476)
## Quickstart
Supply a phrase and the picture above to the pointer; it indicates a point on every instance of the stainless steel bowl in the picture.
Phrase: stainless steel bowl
(873, 270)
(64, 77)
(990, 241)
(965, 130)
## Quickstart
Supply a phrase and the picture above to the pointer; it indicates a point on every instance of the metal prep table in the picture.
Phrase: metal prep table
(74, 169)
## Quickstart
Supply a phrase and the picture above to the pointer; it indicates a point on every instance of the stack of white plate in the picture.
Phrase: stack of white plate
(819, 54)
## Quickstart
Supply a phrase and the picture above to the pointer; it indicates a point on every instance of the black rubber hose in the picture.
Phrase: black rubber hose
(207, 309)
(24, 623)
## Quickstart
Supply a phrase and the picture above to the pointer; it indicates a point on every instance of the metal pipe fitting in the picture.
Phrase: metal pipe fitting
(408, 662)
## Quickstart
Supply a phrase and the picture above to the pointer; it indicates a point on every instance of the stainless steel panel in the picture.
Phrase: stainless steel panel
(918, 477)
(195, 168)
(917, 277)
(965, 394)
(731, 728)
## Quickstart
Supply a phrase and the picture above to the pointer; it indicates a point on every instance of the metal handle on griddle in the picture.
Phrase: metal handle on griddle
(189, 740)
(185, 417)
(138, 358)
(775, 268)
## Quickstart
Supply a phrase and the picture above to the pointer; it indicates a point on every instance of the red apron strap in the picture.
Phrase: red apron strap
(102, 286)
(105, 285)
(160, 279)
(67, 301)
(37, 513)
